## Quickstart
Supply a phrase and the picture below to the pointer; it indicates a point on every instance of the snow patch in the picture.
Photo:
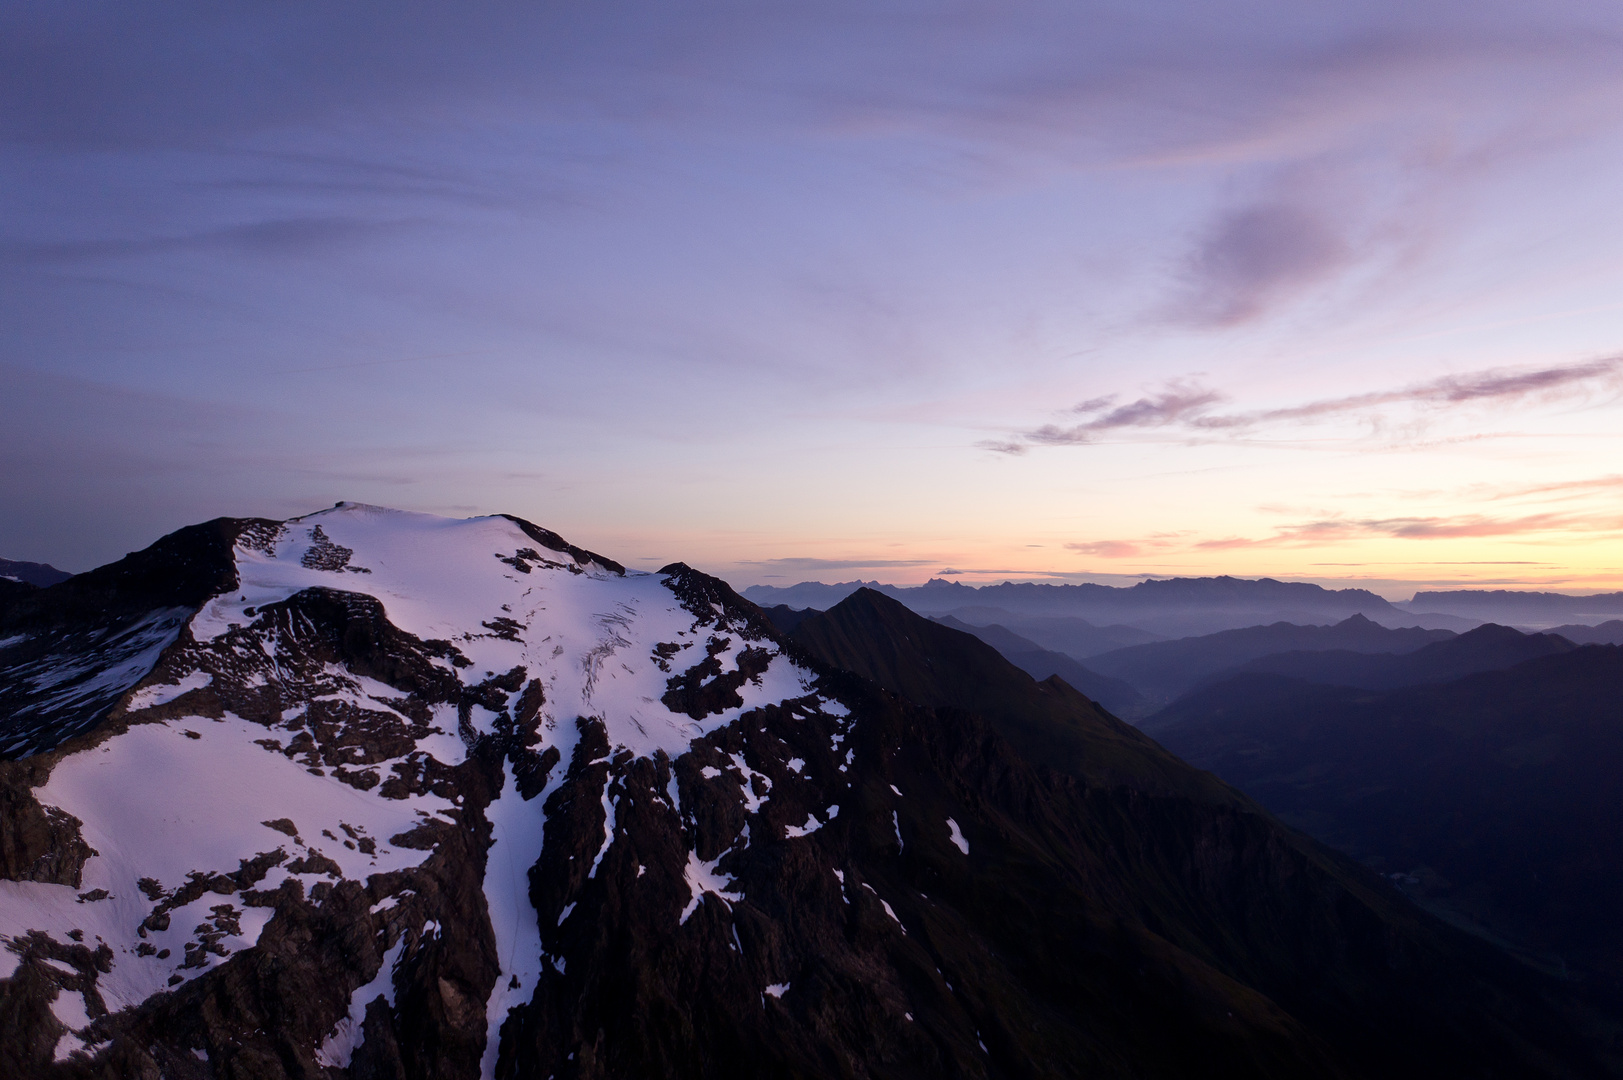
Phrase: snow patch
(69, 1007)
(958, 836)
(703, 877)
(609, 807)
(164, 693)
(516, 835)
(338, 1048)
(811, 826)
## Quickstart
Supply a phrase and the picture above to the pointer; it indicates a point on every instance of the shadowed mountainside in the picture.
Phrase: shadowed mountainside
(1496, 795)
(1406, 983)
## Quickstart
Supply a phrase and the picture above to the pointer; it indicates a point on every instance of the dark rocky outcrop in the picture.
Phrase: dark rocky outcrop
(553, 542)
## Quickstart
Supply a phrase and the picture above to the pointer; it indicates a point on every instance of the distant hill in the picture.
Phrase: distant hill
(32, 573)
(1116, 696)
(1513, 607)
(1487, 648)
(1495, 797)
(1606, 633)
(1165, 669)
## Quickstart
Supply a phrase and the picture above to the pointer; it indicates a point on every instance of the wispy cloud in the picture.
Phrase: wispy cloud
(1191, 409)
(834, 564)
(1327, 531)
(1332, 530)
(284, 236)
(1573, 488)
(1109, 549)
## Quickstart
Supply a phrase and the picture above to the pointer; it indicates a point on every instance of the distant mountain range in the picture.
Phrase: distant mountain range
(1175, 607)
(1188, 607)
(1518, 608)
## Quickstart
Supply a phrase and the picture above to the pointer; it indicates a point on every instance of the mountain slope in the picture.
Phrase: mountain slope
(70, 651)
(1496, 794)
(1322, 939)
(1114, 695)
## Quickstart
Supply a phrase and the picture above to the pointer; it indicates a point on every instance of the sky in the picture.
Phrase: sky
(816, 291)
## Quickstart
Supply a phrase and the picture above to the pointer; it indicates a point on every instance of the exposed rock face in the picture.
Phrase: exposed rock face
(407, 797)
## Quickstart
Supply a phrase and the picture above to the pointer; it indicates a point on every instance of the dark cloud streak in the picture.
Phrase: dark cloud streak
(1188, 407)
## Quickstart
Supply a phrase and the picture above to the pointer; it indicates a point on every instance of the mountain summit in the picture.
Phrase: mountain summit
(380, 795)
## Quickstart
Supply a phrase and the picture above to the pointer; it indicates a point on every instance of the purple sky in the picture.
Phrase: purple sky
(1072, 291)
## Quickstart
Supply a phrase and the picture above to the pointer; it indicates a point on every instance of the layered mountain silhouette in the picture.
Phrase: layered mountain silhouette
(1163, 670)
(1487, 648)
(374, 794)
(1173, 607)
(1493, 798)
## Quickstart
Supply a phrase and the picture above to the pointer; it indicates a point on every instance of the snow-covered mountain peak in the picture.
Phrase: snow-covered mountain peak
(602, 641)
(377, 685)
